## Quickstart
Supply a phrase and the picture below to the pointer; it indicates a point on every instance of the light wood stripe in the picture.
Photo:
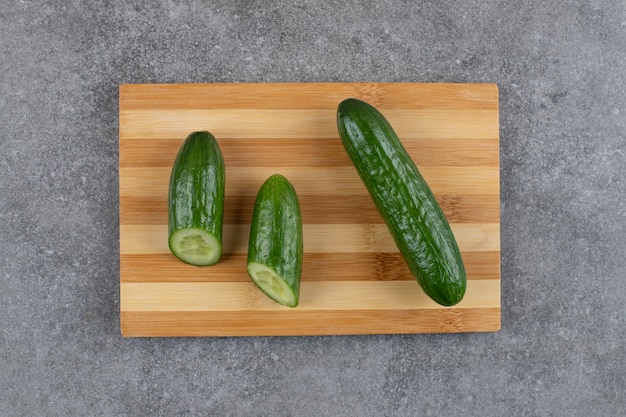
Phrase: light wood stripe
(308, 96)
(318, 238)
(367, 266)
(473, 208)
(314, 296)
(314, 181)
(276, 124)
(306, 152)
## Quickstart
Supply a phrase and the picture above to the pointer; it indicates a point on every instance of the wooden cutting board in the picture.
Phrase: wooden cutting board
(354, 280)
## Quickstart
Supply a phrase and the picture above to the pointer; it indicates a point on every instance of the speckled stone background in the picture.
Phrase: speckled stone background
(560, 67)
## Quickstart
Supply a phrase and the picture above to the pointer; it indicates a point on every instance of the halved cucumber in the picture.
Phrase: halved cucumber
(196, 201)
(276, 244)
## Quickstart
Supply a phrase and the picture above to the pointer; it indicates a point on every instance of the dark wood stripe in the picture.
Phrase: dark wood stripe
(139, 153)
(308, 95)
(296, 323)
(365, 266)
(333, 209)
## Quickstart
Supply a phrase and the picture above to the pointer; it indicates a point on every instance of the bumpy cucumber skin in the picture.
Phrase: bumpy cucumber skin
(276, 238)
(404, 200)
(197, 186)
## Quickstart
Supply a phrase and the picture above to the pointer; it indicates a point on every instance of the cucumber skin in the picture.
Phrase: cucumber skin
(404, 200)
(197, 186)
(276, 237)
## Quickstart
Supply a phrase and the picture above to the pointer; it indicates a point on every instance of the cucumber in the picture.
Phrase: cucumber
(275, 246)
(196, 201)
(404, 201)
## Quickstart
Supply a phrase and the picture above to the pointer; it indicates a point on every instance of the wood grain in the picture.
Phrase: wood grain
(344, 208)
(354, 280)
(319, 238)
(310, 152)
(371, 266)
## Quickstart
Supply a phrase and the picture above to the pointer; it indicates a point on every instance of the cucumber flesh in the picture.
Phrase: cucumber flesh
(195, 246)
(272, 284)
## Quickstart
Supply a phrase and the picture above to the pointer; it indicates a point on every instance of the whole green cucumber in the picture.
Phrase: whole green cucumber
(275, 245)
(404, 200)
(196, 201)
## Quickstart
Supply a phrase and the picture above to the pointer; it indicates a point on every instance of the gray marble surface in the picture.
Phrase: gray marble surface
(560, 67)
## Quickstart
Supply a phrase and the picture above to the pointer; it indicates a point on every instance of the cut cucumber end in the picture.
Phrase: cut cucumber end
(272, 284)
(195, 246)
